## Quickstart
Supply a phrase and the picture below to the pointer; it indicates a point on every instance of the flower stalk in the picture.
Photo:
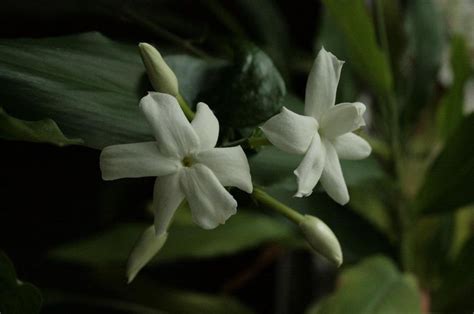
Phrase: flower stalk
(188, 112)
(271, 203)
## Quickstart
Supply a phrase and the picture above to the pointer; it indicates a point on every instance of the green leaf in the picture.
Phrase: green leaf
(251, 90)
(450, 112)
(267, 24)
(171, 300)
(426, 42)
(455, 293)
(369, 200)
(43, 131)
(143, 296)
(184, 302)
(426, 246)
(16, 297)
(88, 84)
(448, 183)
(365, 55)
(243, 231)
(373, 286)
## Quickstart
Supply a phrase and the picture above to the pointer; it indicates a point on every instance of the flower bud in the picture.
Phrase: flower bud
(161, 77)
(144, 250)
(321, 239)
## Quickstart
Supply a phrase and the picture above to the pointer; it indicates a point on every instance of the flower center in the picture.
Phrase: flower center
(187, 161)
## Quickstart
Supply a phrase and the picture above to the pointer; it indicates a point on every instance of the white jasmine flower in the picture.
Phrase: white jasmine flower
(185, 162)
(324, 134)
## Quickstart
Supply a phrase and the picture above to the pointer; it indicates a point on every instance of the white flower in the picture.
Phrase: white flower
(324, 134)
(185, 162)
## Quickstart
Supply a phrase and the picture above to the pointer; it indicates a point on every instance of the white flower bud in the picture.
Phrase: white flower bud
(144, 250)
(162, 78)
(321, 239)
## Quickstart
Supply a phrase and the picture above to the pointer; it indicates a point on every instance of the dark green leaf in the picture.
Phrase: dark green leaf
(426, 42)
(373, 286)
(426, 245)
(450, 112)
(89, 85)
(455, 293)
(243, 231)
(172, 300)
(365, 55)
(251, 90)
(16, 297)
(266, 23)
(42, 131)
(448, 183)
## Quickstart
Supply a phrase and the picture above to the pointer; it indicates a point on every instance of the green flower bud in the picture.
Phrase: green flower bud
(144, 250)
(162, 78)
(321, 239)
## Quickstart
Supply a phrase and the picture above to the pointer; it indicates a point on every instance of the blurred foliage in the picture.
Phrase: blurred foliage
(185, 241)
(450, 112)
(16, 297)
(373, 286)
(425, 48)
(43, 131)
(448, 183)
(71, 74)
(367, 58)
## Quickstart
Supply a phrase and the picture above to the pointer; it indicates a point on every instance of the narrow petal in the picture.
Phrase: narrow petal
(167, 196)
(173, 132)
(332, 179)
(144, 250)
(229, 165)
(290, 131)
(209, 201)
(351, 146)
(206, 126)
(322, 84)
(310, 169)
(135, 161)
(341, 119)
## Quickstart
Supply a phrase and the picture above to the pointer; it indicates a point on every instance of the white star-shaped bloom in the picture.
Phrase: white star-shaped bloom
(324, 134)
(184, 160)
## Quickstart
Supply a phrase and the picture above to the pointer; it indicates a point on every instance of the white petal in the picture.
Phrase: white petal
(135, 161)
(332, 179)
(209, 201)
(310, 169)
(290, 131)
(322, 84)
(167, 195)
(229, 165)
(144, 250)
(341, 119)
(351, 146)
(173, 132)
(206, 126)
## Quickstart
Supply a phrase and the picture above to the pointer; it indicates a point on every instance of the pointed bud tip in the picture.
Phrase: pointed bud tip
(321, 239)
(146, 247)
(162, 78)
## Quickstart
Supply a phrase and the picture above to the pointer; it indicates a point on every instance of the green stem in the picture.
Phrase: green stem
(185, 107)
(255, 142)
(403, 211)
(271, 203)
